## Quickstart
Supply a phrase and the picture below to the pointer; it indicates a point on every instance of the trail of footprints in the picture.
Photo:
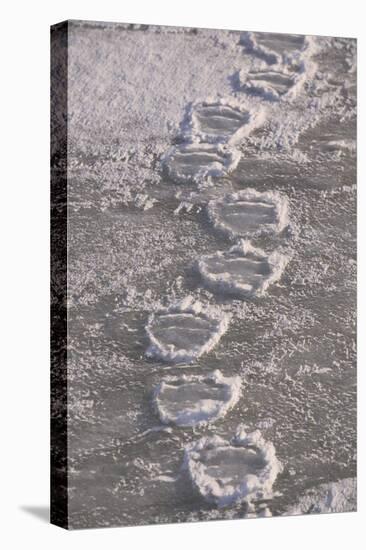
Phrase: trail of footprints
(244, 467)
(284, 72)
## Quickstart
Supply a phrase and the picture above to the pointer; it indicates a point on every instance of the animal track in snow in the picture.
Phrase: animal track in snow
(271, 85)
(242, 270)
(195, 400)
(249, 213)
(220, 121)
(227, 472)
(192, 162)
(185, 331)
(274, 47)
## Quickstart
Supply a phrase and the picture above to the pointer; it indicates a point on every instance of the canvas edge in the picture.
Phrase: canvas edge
(58, 265)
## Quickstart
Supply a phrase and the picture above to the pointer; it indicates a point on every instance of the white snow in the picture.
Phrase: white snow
(227, 472)
(192, 400)
(128, 94)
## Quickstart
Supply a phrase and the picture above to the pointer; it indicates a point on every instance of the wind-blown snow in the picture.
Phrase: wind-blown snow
(191, 400)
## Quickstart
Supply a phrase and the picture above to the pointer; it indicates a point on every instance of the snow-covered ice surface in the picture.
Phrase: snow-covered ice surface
(145, 159)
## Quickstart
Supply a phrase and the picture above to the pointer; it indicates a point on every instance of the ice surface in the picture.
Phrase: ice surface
(227, 472)
(242, 270)
(194, 161)
(191, 400)
(339, 496)
(185, 331)
(249, 213)
(221, 121)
